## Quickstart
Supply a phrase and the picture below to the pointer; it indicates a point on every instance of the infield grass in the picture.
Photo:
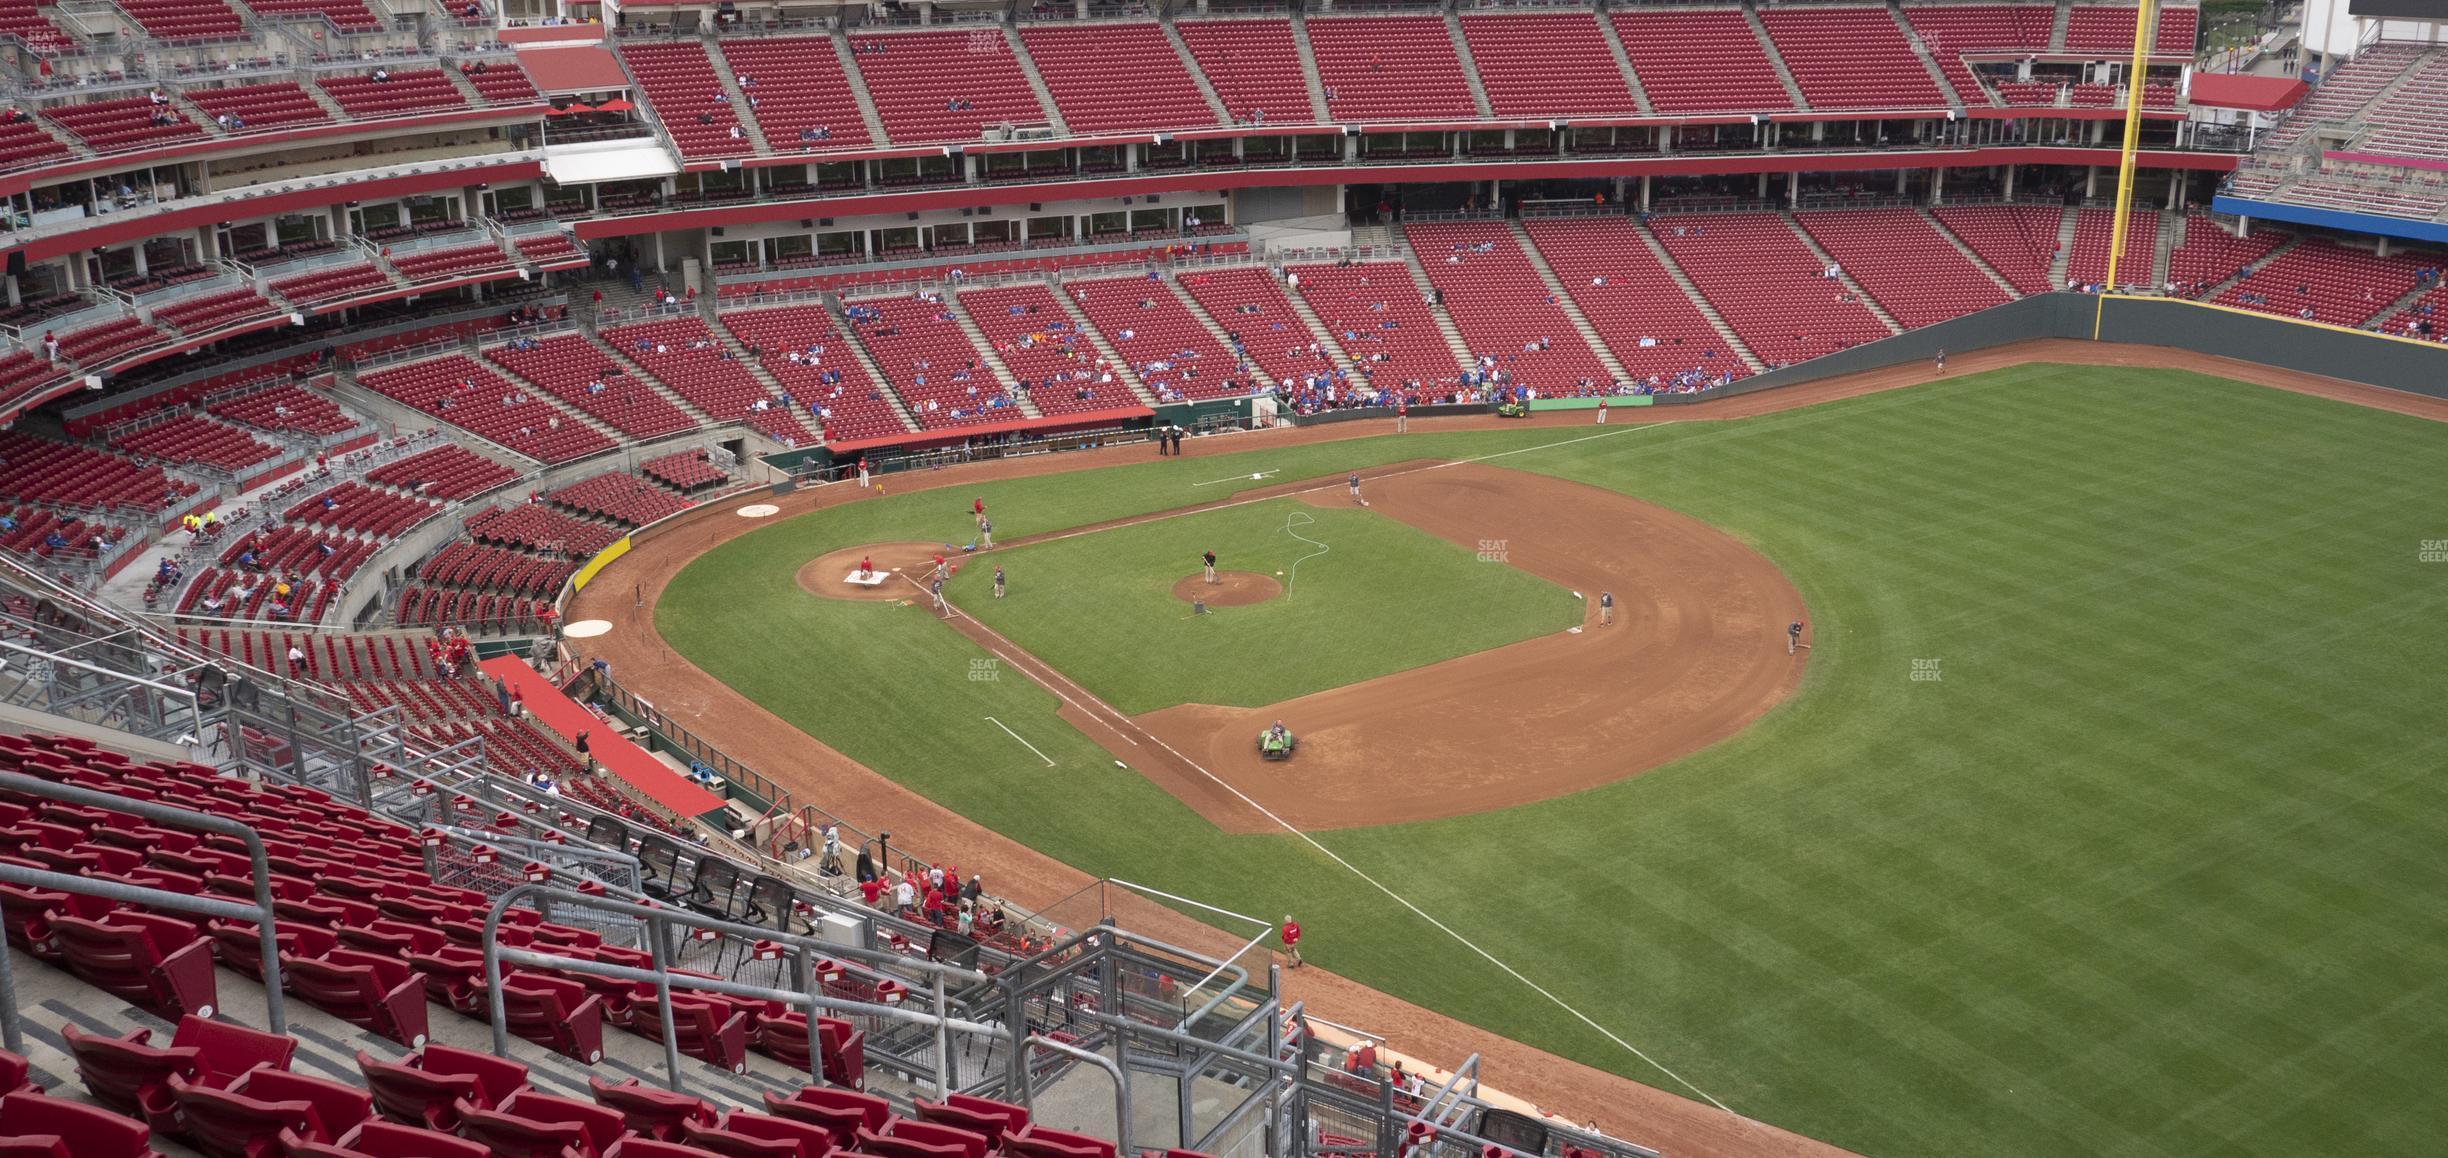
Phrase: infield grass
(2151, 868)
(1368, 596)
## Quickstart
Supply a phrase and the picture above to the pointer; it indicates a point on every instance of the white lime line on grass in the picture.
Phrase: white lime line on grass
(1023, 741)
(1253, 476)
(1311, 841)
(1303, 519)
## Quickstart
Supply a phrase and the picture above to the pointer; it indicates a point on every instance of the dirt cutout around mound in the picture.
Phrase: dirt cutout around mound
(1696, 652)
(1231, 588)
(815, 773)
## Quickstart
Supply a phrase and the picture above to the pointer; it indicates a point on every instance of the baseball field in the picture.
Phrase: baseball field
(2100, 818)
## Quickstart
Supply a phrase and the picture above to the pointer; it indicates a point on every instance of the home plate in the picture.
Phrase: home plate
(759, 511)
(587, 628)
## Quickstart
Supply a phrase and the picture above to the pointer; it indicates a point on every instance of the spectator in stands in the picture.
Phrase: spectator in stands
(50, 345)
(297, 661)
(584, 752)
(870, 889)
(381, 74)
(904, 898)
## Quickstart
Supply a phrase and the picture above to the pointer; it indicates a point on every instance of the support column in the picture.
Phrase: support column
(1644, 193)
(1793, 189)
(1902, 177)
(2009, 182)
(1763, 186)
(1937, 187)
(2090, 181)
(138, 250)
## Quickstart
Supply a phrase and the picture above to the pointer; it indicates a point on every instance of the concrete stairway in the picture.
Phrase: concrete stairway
(1320, 332)
(2228, 282)
(2161, 253)
(1216, 330)
(858, 86)
(1309, 69)
(1623, 62)
(1986, 270)
(331, 108)
(1037, 84)
(866, 360)
(569, 413)
(1716, 321)
(1198, 76)
(2060, 269)
(2057, 31)
(739, 98)
(755, 367)
(1921, 49)
(638, 373)
(1122, 368)
(987, 357)
(1470, 64)
(1428, 293)
(1785, 75)
(2403, 302)
(1564, 300)
(1844, 276)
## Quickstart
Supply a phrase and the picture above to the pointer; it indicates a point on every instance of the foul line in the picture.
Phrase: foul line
(1311, 841)
(1253, 476)
(1023, 742)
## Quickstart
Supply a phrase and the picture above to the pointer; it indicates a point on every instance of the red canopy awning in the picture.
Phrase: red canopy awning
(2261, 94)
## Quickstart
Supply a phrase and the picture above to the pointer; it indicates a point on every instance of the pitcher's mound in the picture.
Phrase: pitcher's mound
(1231, 588)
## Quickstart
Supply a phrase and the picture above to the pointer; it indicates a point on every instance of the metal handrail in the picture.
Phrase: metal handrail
(262, 912)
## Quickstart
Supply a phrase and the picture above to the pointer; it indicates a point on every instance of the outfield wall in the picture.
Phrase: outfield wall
(2313, 348)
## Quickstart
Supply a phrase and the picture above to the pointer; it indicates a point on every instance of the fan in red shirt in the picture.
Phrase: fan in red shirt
(1291, 939)
(872, 890)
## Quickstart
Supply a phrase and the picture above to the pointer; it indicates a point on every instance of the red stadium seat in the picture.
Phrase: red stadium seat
(427, 1087)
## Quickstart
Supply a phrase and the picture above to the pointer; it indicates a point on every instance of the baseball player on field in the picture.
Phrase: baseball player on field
(1355, 489)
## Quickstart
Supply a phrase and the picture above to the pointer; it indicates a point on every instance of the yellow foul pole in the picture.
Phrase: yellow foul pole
(2143, 26)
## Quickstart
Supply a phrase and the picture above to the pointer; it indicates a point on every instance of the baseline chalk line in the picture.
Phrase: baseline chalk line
(1023, 740)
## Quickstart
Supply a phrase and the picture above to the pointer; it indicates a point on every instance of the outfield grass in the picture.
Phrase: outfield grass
(1369, 596)
(2151, 869)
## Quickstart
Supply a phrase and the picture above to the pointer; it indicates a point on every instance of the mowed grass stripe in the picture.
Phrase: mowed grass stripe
(2143, 873)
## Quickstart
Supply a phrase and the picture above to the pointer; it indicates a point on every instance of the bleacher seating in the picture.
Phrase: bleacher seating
(25, 143)
(799, 88)
(1540, 64)
(349, 16)
(825, 375)
(1699, 60)
(331, 283)
(204, 312)
(2323, 281)
(627, 499)
(1903, 263)
(549, 249)
(362, 510)
(1645, 319)
(1502, 307)
(24, 19)
(2211, 255)
(178, 20)
(1374, 312)
(406, 92)
(537, 527)
(915, 78)
(1248, 304)
(573, 369)
(36, 525)
(95, 346)
(2343, 95)
(688, 98)
(2425, 318)
(2018, 241)
(2109, 30)
(1766, 284)
(1851, 58)
(265, 105)
(1173, 355)
(2414, 123)
(500, 82)
(2087, 264)
(190, 438)
(483, 567)
(286, 407)
(931, 364)
(1255, 67)
(458, 391)
(452, 261)
(449, 473)
(684, 471)
(123, 123)
(1109, 77)
(1390, 68)
(695, 365)
(1951, 30)
(1053, 364)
